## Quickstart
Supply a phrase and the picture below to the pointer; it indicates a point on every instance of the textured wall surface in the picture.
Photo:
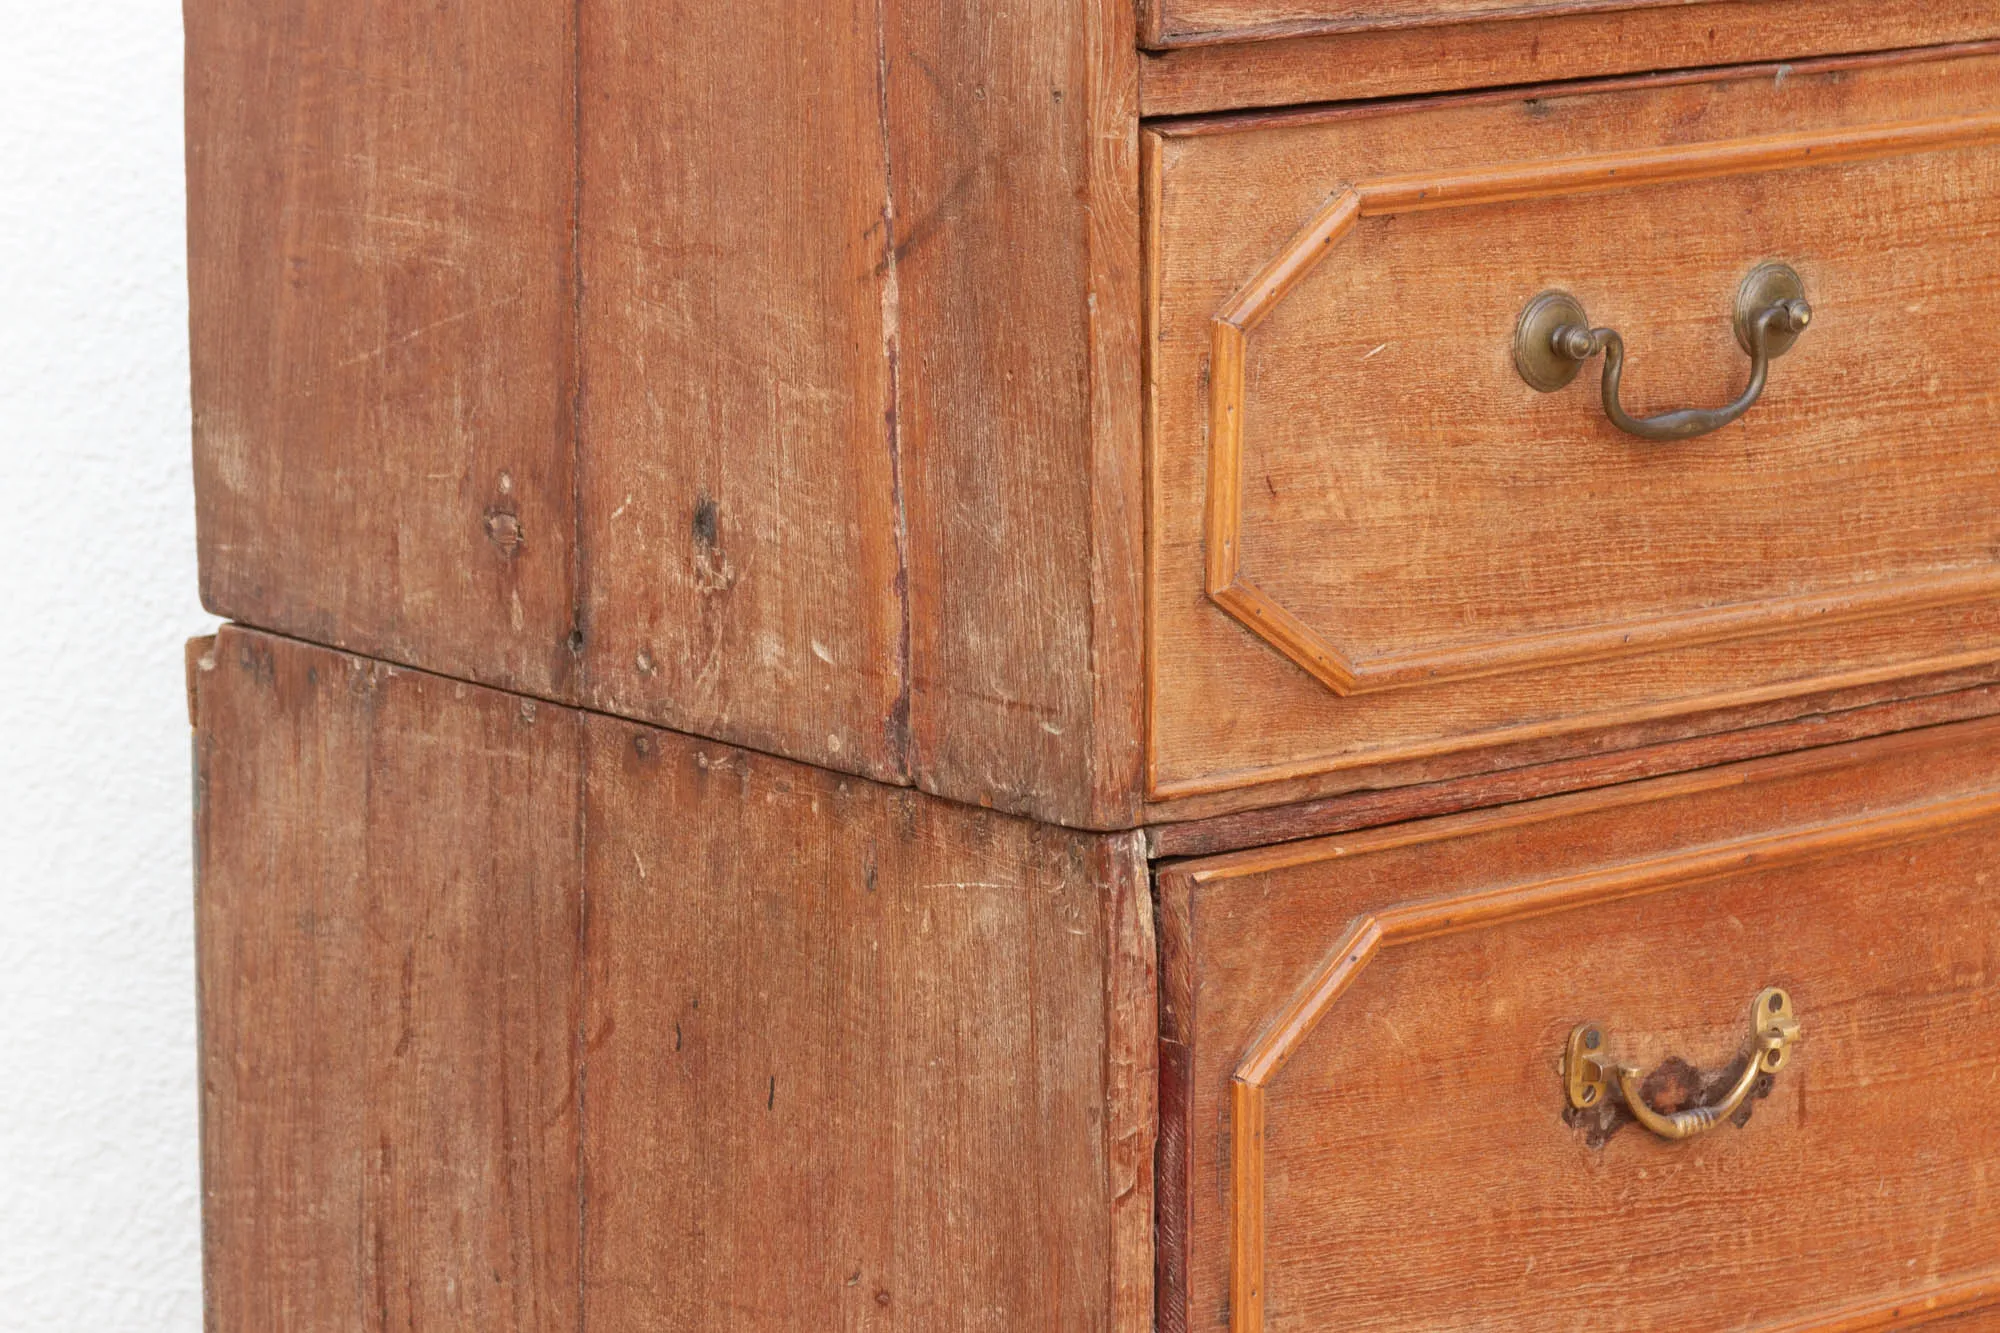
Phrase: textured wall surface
(99, 1221)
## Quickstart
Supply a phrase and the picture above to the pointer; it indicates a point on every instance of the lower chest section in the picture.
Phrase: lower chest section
(520, 1018)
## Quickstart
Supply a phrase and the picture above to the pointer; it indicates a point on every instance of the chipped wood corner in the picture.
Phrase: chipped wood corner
(199, 656)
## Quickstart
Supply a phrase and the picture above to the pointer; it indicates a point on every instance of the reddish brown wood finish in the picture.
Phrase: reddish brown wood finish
(847, 296)
(797, 980)
(388, 912)
(379, 235)
(1423, 800)
(1383, 495)
(1392, 62)
(1392, 1006)
(739, 508)
(851, 1055)
(1185, 22)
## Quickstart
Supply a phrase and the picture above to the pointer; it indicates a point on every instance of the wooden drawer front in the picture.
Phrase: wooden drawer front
(1373, 541)
(1364, 1118)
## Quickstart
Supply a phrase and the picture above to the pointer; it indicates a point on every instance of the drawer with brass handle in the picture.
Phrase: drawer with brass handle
(1493, 1071)
(1388, 526)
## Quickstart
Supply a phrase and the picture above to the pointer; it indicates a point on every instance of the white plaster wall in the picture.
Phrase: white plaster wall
(99, 1217)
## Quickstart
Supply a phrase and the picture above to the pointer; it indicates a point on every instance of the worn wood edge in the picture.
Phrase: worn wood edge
(1131, 1076)
(1508, 183)
(1117, 308)
(1174, 907)
(1407, 923)
(1152, 183)
(1261, 79)
(1573, 804)
(1234, 780)
(1906, 1311)
(198, 656)
(1348, 812)
(200, 754)
(1161, 37)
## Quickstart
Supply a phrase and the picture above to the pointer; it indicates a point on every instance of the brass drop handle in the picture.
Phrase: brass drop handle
(1553, 339)
(1589, 1074)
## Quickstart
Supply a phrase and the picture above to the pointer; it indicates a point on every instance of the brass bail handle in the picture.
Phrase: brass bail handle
(1553, 338)
(1589, 1074)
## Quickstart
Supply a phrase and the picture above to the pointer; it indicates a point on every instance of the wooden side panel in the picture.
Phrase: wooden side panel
(1417, 1166)
(379, 216)
(1014, 150)
(388, 919)
(490, 985)
(765, 371)
(740, 510)
(862, 406)
(857, 1058)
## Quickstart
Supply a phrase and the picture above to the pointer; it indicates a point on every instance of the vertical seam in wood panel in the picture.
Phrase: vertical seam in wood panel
(198, 756)
(1131, 989)
(580, 1012)
(1114, 303)
(1152, 147)
(900, 735)
(579, 647)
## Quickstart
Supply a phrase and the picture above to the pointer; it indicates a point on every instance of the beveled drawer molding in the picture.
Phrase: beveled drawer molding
(1342, 672)
(1373, 544)
(1368, 1114)
(1410, 923)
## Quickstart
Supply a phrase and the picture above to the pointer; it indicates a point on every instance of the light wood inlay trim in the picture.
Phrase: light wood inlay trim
(1286, 632)
(1290, 1027)
(1595, 174)
(1225, 456)
(1505, 183)
(1299, 257)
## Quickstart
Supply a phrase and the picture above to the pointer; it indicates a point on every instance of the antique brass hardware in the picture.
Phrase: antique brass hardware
(1589, 1074)
(1553, 339)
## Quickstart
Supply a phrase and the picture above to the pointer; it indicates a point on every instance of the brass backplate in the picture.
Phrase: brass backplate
(1767, 285)
(1545, 369)
(1586, 1069)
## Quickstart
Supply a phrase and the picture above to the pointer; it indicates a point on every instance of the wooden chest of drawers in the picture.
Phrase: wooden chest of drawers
(1204, 664)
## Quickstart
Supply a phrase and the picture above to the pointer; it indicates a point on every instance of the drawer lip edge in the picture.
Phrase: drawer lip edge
(1158, 37)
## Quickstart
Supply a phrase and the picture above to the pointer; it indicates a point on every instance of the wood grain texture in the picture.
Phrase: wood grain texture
(850, 1051)
(379, 218)
(1401, 61)
(388, 911)
(1562, 178)
(1423, 800)
(1478, 940)
(769, 372)
(825, 1053)
(739, 507)
(1401, 490)
(1182, 22)
(1013, 137)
